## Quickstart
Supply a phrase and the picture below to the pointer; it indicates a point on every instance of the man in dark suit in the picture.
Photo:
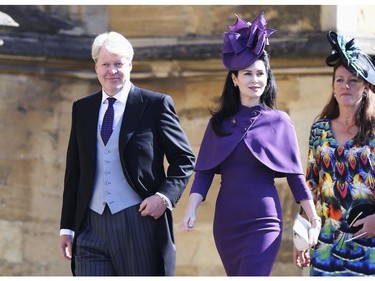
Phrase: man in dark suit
(116, 214)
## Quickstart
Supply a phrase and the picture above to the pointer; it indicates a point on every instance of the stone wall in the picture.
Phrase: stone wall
(37, 94)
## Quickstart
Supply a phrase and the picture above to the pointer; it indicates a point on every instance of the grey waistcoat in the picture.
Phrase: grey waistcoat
(111, 187)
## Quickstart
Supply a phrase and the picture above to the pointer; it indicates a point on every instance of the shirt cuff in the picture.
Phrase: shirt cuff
(169, 204)
(67, 232)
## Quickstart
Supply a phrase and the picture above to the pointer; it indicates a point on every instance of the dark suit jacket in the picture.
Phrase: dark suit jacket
(149, 131)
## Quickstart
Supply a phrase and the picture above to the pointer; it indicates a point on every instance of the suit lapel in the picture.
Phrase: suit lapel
(134, 108)
(91, 114)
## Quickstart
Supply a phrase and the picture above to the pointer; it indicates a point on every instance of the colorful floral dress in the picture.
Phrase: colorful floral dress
(340, 177)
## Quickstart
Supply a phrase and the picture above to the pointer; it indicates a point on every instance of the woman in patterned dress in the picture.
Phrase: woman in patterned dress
(341, 167)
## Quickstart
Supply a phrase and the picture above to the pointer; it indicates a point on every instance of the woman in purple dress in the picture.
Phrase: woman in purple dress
(249, 143)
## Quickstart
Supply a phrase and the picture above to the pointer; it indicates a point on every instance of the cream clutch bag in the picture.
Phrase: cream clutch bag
(301, 228)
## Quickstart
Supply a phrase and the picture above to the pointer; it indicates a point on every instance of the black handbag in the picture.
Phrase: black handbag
(358, 212)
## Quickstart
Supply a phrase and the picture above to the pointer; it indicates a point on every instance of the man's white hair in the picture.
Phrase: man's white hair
(114, 43)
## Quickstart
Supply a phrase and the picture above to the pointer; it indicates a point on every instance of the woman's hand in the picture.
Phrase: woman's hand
(187, 223)
(368, 228)
(301, 258)
(314, 231)
(314, 219)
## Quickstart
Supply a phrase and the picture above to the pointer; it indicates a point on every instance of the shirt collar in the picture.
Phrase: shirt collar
(121, 96)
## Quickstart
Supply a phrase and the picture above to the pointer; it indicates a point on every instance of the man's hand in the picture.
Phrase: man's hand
(65, 246)
(152, 206)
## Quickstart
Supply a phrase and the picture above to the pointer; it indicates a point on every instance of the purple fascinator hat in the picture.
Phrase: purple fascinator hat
(351, 56)
(244, 43)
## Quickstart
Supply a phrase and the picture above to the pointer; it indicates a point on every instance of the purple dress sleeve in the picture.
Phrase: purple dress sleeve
(202, 182)
(297, 184)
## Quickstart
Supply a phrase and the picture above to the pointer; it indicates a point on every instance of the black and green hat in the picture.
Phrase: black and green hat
(351, 56)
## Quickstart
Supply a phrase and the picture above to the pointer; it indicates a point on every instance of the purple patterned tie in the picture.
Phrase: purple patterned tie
(107, 124)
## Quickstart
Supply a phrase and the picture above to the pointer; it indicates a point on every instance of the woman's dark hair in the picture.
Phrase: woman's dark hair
(364, 117)
(229, 103)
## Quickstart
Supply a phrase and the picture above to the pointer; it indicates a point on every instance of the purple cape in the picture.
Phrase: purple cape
(268, 133)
